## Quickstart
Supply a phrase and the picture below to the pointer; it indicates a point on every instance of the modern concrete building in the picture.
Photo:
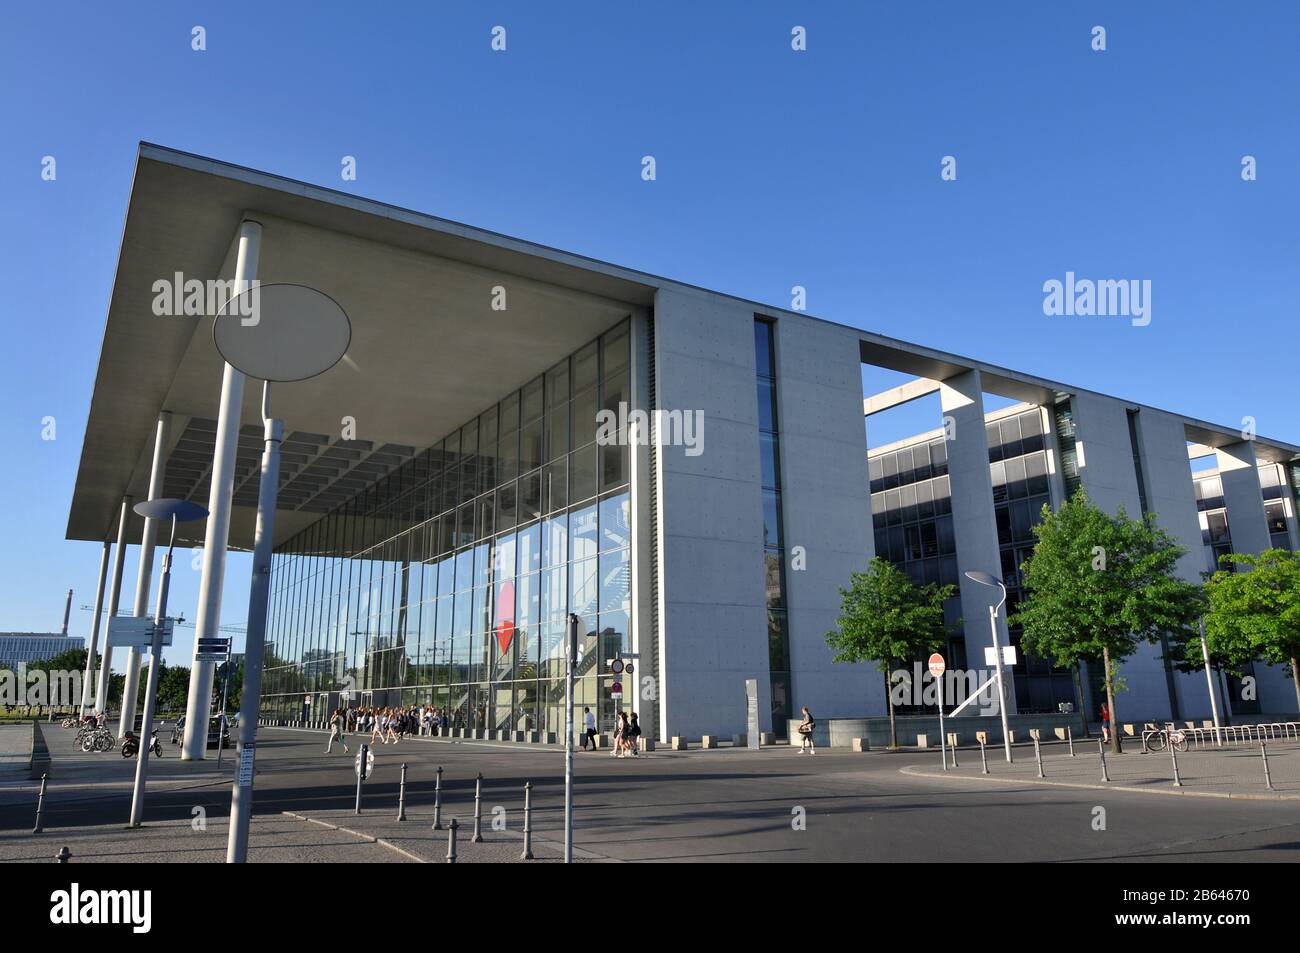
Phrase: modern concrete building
(27, 647)
(477, 469)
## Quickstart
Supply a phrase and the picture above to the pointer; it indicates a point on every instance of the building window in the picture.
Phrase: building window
(769, 442)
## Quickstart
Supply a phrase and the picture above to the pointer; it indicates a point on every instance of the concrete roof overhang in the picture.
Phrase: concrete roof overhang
(428, 351)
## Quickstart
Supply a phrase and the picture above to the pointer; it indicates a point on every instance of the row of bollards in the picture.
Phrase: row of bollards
(454, 827)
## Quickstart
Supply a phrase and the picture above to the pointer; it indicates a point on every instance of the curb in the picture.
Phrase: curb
(1166, 792)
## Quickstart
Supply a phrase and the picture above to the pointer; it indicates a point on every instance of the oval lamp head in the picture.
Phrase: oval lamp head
(165, 509)
(282, 332)
(983, 578)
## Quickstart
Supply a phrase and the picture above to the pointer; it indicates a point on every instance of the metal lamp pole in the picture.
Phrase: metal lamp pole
(1209, 683)
(241, 798)
(984, 579)
(570, 652)
(156, 509)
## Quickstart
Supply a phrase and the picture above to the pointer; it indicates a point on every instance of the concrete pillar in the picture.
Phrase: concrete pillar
(207, 622)
(973, 518)
(93, 645)
(144, 574)
(1242, 497)
(114, 596)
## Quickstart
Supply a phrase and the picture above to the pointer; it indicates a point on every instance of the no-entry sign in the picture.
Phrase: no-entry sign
(937, 665)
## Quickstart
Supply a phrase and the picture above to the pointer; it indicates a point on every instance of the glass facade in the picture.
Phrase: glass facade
(769, 441)
(911, 513)
(450, 580)
(1273, 485)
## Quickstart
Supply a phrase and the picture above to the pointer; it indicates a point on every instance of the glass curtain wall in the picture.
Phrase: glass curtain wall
(778, 625)
(450, 580)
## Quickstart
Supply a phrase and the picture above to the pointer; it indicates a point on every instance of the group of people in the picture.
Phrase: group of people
(386, 724)
(627, 734)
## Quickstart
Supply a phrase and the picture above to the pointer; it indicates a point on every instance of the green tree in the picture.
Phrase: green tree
(1097, 585)
(1257, 613)
(886, 618)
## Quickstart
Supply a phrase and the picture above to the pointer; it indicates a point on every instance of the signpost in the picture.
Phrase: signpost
(751, 713)
(937, 668)
(137, 631)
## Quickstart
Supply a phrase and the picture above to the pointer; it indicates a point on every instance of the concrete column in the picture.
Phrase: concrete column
(973, 517)
(199, 703)
(1242, 497)
(1292, 516)
(114, 596)
(93, 645)
(144, 574)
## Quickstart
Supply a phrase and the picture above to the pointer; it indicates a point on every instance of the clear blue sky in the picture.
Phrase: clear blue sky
(775, 168)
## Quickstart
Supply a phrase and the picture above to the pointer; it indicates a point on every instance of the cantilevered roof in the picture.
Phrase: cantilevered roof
(428, 351)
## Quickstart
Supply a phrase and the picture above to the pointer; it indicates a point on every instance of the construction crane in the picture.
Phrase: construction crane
(181, 622)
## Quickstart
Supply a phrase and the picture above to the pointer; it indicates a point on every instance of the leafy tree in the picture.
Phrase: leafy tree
(886, 618)
(1097, 585)
(1257, 613)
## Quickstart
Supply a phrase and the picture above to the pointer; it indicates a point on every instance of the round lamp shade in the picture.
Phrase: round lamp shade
(165, 509)
(282, 332)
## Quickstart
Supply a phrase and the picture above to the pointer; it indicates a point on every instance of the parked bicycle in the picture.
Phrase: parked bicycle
(1169, 735)
(99, 739)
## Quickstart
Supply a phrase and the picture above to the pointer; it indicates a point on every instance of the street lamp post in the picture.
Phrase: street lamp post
(984, 579)
(283, 333)
(176, 511)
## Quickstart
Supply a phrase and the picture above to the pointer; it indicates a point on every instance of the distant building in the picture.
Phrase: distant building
(29, 647)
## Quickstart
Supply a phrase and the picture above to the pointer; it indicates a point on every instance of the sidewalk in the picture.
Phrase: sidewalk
(1227, 772)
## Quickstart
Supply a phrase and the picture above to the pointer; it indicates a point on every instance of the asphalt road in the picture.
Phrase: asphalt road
(723, 805)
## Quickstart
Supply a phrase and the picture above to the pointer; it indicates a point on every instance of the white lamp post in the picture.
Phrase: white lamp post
(984, 579)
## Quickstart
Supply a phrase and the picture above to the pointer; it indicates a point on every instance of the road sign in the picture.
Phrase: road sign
(1008, 655)
(628, 669)
(370, 764)
(135, 631)
(616, 666)
(214, 649)
(937, 666)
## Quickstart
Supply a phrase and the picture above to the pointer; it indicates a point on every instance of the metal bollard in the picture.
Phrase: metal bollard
(478, 810)
(364, 751)
(1069, 736)
(1101, 747)
(1038, 756)
(437, 800)
(40, 806)
(63, 855)
(401, 795)
(952, 744)
(1173, 754)
(1268, 780)
(451, 841)
(984, 760)
(528, 822)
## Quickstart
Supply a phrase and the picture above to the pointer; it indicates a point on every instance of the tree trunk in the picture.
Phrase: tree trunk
(1083, 704)
(1295, 677)
(1110, 704)
(889, 697)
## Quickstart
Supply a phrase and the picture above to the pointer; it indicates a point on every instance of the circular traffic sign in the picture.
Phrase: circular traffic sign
(937, 665)
(616, 688)
(616, 666)
(628, 668)
(282, 332)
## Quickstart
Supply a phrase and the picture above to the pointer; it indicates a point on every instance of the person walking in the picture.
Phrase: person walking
(1105, 723)
(620, 733)
(588, 729)
(337, 724)
(634, 736)
(806, 732)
